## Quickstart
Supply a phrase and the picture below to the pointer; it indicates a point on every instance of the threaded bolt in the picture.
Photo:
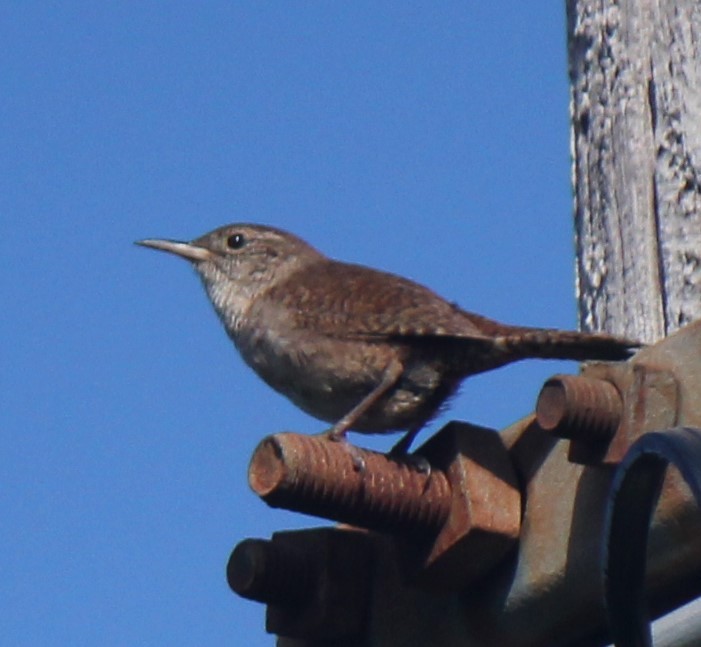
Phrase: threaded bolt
(314, 475)
(269, 572)
(579, 408)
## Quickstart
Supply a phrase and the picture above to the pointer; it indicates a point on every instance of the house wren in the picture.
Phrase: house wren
(363, 349)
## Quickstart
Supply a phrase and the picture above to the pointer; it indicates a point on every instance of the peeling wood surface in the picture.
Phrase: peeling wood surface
(635, 69)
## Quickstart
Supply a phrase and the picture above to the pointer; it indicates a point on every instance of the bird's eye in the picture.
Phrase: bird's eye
(236, 241)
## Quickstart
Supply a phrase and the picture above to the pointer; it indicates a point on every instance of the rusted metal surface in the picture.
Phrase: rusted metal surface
(272, 571)
(634, 494)
(317, 582)
(552, 593)
(579, 408)
(606, 409)
(659, 391)
(314, 475)
(451, 523)
(485, 514)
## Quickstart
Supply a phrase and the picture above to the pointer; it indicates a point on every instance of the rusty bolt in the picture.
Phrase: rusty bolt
(268, 571)
(450, 525)
(317, 476)
(316, 582)
(579, 408)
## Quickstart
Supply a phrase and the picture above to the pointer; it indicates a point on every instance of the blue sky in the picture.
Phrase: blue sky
(428, 139)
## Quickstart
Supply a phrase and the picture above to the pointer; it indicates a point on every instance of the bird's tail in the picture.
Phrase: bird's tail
(557, 344)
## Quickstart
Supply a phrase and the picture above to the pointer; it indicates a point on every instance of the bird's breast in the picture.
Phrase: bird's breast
(324, 377)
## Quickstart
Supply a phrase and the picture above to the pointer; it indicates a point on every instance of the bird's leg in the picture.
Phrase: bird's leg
(401, 450)
(389, 378)
(338, 432)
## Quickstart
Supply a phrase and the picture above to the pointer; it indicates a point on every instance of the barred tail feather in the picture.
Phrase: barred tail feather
(557, 344)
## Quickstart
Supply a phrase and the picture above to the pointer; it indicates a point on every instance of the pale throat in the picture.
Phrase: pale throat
(230, 302)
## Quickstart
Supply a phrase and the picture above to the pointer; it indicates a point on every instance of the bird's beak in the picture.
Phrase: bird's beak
(187, 251)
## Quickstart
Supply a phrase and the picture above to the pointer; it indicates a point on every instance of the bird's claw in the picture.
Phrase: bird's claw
(420, 463)
(337, 436)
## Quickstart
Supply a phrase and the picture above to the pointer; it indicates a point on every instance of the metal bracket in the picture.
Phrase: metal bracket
(634, 493)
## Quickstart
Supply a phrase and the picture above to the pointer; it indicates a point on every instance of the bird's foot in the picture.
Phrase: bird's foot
(339, 436)
(401, 450)
(418, 462)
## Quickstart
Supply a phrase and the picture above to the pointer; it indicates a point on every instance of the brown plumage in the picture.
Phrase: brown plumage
(363, 349)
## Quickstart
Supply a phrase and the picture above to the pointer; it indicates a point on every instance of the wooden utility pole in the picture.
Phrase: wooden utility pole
(635, 108)
(635, 69)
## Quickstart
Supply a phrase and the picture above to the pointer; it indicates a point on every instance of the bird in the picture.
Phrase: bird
(363, 349)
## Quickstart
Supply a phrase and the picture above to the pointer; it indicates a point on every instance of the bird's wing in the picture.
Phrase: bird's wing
(373, 305)
(369, 305)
